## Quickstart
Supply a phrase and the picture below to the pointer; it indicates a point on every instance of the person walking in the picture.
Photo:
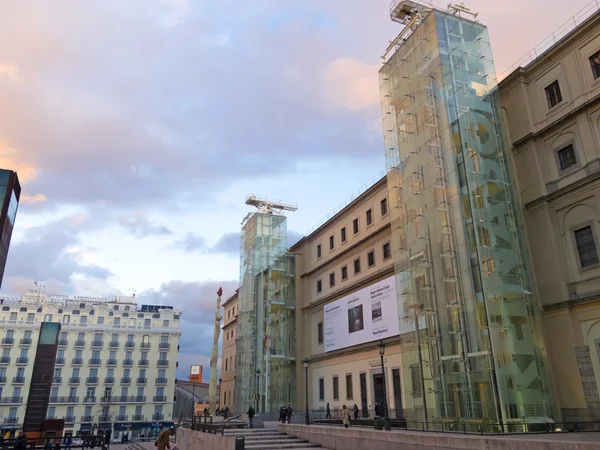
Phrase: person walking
(250, 415)
(288, 412)
(162, 441)
(345, 416)
(21, 443)
(377, 409)
(283, 414)
(355, 409)
(328, 415)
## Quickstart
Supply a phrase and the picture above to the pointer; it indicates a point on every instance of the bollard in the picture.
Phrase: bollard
(240, 443)
(377, 423)
(388, 426)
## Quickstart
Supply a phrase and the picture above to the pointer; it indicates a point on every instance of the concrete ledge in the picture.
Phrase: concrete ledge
(196, 440)
(340, 438)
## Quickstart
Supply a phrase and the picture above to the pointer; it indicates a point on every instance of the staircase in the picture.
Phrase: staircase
(269, 439)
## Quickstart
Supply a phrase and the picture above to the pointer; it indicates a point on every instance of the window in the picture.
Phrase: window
(166, 323)
(117, 322)
(66, 318)
(83, 320)
(320, 332)
(226, 365)
(336, 388)
(321, 389)
(343, 232)
(595, 62)
(319, 287)
(332, 279)
(371, 258)
(349, 393)
(331, 242)
(415, 377)
(318, 251)
(356, 266)
(344, 273)
(586, 247)
(30, 317)
(355, 226)
(100, 320)
(13, 316)
(386, 250)
(384, 209)
(48, 318)
(553, 94)
(51, 412)
(567, 157)
(369, 217)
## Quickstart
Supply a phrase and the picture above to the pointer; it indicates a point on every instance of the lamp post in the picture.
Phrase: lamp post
(386, 417)
(257, 388)
(220, 403)
(307, 416)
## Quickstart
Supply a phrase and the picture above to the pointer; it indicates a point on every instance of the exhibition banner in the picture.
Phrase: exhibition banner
(366, 315)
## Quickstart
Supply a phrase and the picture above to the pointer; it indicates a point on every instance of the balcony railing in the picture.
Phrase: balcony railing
(63, 342)
(74, 380)
(2, 380)
(56, 380)
(105, 418)
(11, 420)
(13, 400)
(22, 360)
(97, 344)
(141, 380)
(77, 361)
(18, 380)
(125, 380)
(129, 344)
(113, 344)
(111, 362)
(26, 341)
(161, 381)
(143, 362)
(80, 343)
(4, 359)
(91, 380)
(69, 419)
(87, 419)
(60, 361)
(158, 416)
(164, 345)
(64, 399)
(95, 362)
(8, 341)
(121, 418)
(160, 398)
(162, 363)
(137, 418)
(109, 380)
(145, 345)
(89, 399)
(128, 362)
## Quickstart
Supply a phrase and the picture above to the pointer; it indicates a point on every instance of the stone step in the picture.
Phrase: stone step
(256, 433)
(268, 438)
(252, 430)
(282, 446)
(277, 441)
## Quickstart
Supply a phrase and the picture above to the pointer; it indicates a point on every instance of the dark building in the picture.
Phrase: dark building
(10, 190)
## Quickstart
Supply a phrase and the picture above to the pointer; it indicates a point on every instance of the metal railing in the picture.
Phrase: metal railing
(18, 380)
(128, 362)
(109, 380)
(74, 380)
(141, 380)
(94, 362)
(143, 362)
(77, 361)
(125, 380)
(159, 398)
(162, 363)
(97, 344)
(8, 341)
(113, 344)
(15, 400)
(4, 359)
(111, 362)
(26, 341)
(160, 381)
(64, 399)
(22, 360)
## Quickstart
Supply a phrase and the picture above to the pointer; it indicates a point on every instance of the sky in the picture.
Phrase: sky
(138, 128)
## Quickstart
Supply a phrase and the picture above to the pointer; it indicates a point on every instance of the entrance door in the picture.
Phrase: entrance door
(363, 395)
(397, 393)
(378, 389)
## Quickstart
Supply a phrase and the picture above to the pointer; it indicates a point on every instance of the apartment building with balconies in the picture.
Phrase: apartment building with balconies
(115, 363)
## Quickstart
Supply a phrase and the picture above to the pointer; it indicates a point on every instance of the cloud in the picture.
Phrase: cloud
(138, 224)
(49, 253)
(32, 199)
(293, 237)
(191, 243)
(351, 85)
(228, 243)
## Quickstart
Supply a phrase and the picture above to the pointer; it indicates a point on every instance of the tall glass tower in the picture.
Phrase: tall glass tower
(10, 190)
(265, 348)
(473, 351)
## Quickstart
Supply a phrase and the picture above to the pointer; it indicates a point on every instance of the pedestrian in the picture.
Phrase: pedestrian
(288, 412)
(355, 409)
(48, 445)
(21, 443)
(68, 441)
(226, 412)
(328, 415)
(57, 445)
(345, 416)
(162, 441)
(283, 413)
(250, 415)
(377, 409)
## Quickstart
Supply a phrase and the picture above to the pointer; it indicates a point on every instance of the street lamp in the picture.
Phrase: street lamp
(257, 388)
(386, 417)
(220, 403)
(306, 417)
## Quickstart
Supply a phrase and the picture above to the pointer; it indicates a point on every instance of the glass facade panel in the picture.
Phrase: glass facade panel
(469, 320)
